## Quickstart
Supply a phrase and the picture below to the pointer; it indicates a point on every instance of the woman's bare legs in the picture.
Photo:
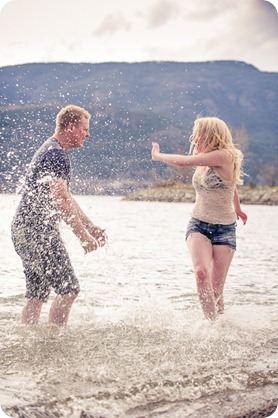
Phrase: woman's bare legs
(221, 261)
(211, 264)
(201, 252)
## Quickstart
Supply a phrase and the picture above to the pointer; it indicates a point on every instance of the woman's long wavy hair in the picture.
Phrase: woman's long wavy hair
(217, 136)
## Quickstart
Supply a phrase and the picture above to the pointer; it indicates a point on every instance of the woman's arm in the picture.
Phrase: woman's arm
(216, 158)
(240, 214)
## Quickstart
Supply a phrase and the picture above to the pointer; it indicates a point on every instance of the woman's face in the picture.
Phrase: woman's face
(198, 142)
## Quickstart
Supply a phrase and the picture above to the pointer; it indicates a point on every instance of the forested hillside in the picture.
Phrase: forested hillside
(132, 105)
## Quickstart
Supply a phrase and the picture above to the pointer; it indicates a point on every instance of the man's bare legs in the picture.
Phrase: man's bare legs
(60, 309)
(31, 311)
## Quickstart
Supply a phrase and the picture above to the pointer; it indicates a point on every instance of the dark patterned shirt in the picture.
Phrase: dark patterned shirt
(36, 208)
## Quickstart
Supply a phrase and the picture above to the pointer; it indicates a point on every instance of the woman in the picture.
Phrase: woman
(211, 232)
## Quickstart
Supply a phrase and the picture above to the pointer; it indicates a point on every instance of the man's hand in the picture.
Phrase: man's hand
(98, 234)
(90, 245)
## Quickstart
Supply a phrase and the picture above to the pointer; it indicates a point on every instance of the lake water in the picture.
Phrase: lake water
(136, 344)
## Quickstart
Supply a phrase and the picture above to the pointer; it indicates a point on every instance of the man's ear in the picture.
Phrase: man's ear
(70, 127)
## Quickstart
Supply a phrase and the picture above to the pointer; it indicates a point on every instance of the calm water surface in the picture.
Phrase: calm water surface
(137, 344)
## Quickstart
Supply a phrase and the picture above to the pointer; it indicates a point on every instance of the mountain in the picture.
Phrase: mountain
(131, 106)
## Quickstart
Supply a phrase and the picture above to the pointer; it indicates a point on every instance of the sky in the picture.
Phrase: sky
(95, 31)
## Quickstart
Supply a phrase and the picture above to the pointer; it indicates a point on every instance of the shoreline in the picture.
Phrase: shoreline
(179, 192)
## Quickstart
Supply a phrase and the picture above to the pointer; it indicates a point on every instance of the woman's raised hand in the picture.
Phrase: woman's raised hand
(155, 150)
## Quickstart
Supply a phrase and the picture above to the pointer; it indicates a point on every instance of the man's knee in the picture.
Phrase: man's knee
(72, 295)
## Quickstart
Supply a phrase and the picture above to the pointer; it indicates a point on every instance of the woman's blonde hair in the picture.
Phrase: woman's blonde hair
(216, 135)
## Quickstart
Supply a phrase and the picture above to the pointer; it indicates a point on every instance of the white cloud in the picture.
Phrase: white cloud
(112, 23)
(209, 10)
(162, 12)
(139, 30)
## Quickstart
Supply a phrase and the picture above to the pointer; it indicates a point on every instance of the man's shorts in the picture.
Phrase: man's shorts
(218, 234)
(45, 261)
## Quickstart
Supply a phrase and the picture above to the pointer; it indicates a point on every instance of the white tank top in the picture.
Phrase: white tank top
(214, 198)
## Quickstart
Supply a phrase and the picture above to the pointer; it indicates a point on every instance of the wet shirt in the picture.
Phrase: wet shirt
(36, 208)
(214, 198)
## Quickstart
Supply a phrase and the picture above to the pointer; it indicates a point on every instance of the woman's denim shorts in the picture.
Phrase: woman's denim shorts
(218, 234)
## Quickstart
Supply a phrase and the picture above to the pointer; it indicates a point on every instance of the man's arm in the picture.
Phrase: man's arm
(94, 230)
(66, 205)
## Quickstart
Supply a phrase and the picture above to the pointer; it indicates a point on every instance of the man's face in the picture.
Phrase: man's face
(79, 133)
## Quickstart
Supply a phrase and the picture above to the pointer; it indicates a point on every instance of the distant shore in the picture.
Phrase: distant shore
(179, 192)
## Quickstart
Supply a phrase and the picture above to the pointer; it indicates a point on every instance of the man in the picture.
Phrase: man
(35, 228)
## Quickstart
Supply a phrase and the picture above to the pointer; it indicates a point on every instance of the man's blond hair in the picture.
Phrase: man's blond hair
(70, 114)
